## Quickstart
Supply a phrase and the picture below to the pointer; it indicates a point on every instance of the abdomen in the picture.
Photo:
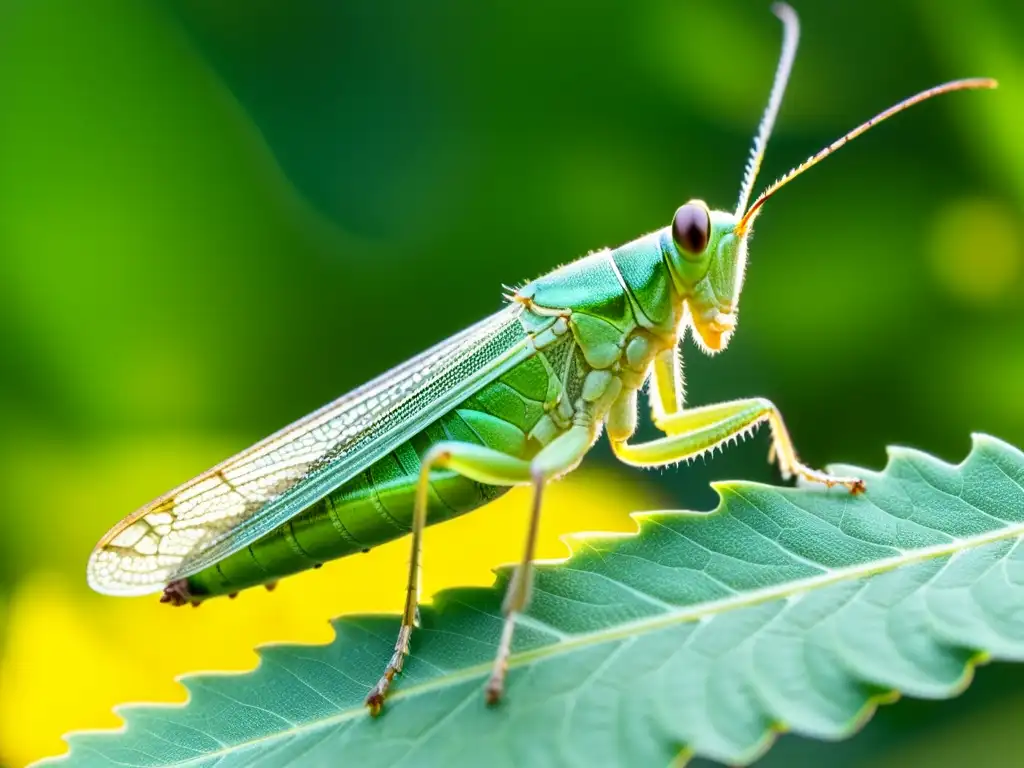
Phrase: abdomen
(376, 505)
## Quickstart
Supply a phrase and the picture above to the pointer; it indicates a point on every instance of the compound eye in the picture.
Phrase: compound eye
(691, 228)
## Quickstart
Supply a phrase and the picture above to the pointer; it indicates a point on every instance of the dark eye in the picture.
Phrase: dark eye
(691, 227)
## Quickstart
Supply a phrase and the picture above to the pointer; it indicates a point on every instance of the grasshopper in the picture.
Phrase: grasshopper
(517, 399)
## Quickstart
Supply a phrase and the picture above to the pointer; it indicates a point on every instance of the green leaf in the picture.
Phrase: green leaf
(703, 634)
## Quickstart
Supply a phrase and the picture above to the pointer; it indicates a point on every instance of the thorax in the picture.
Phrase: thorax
(598, 324)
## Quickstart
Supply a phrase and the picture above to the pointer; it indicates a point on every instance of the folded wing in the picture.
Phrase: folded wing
(231, 505)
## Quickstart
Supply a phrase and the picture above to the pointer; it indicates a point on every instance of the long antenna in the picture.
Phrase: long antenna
(790, 38)
(955, 85)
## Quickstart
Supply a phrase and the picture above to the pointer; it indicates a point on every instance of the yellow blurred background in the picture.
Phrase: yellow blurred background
(216, 217)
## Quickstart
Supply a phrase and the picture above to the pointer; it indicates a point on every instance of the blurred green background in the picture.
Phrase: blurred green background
(217, 216)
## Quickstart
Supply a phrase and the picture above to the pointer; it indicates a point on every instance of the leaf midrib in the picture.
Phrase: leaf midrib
(645, 625)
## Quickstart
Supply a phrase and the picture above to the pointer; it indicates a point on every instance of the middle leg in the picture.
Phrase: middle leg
(485, 465)
(555, 459)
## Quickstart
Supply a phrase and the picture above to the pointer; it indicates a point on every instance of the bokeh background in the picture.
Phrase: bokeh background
(214, 217)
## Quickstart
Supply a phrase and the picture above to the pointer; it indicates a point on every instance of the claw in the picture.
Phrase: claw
(853, 484)
(496, 683)
(375, 698)
(494, 690)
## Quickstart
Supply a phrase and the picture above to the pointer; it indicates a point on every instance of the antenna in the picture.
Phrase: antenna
(956, 85)
(790, 38)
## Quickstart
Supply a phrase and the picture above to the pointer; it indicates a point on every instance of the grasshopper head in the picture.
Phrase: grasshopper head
(707, 250)
(707, 259)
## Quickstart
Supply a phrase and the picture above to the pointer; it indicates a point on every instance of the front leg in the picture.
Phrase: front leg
(692, 432)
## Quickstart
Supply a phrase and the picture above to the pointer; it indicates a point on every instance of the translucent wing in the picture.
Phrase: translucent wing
(231, 505)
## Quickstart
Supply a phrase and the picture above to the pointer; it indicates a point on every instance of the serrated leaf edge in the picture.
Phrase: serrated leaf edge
(697, 613)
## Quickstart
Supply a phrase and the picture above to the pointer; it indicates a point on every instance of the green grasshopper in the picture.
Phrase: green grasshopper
(518, 398)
